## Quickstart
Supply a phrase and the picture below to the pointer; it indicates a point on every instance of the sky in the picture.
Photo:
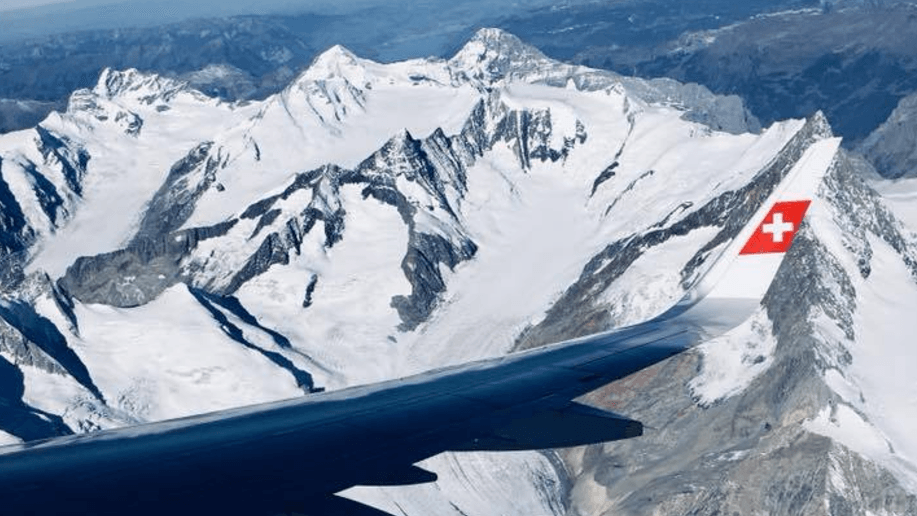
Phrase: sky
(12, 5)
(9, 5)
(25, 18)
(39, 15)
(234, 5)
(32, 18)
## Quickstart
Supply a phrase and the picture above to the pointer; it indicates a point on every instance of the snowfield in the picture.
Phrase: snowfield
(372, 221)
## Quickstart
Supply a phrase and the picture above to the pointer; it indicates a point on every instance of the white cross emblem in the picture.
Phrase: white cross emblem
(777, 228)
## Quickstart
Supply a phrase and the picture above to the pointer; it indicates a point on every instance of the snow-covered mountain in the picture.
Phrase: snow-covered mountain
(167, 253)
(892, 147)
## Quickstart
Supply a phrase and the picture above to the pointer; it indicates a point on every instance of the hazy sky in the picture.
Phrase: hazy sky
(12, 5)
(8, 5)
(23, 18)
(29, 18)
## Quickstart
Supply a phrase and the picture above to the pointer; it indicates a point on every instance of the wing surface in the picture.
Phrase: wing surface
(292, 456)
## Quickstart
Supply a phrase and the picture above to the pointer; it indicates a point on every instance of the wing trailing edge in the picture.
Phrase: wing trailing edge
(573, 425)
(407, 476)
(297, 453)
(339, 506)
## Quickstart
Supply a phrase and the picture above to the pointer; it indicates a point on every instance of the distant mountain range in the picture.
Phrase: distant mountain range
(851, 59)
(166, 252)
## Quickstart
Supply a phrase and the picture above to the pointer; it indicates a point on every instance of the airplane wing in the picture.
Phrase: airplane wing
(292, 456)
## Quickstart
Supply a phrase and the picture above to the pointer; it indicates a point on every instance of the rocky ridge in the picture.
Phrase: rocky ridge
(275, 294)
(890, 148)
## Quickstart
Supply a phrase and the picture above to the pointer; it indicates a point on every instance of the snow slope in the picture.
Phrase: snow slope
(126, 168)
(376, 220)
(878, 410)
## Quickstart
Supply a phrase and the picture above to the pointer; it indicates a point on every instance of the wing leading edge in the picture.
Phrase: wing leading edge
(294, 455)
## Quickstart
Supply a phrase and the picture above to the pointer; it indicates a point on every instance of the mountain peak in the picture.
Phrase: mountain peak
(494, 37)
(403, 136)
(136, 85)
(331, 87)
(337, 61)
(492, 54)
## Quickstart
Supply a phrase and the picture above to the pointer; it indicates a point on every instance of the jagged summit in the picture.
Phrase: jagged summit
(489, 56)
(337, 61)
(339, 83)
(331, 88)
(493, 54)
(821, 126)
(136, 85)
(402, 137)
(495, 42)
(376, 219)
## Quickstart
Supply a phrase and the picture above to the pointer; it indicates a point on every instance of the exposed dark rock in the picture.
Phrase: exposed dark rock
(272, 251)
(176, 199)
(421, 267)
(849, 191)
(137, 274)
(214, 303)
(575, 314)
(47, 194)
(694, 455)
(606, 174)
(72, 159)
(628, 189)
(277, 246)
(15, 233)
(259, 208)
(266, 219)
(437, 164)
(64, 303)
(17, 418)
(892, 147)
(24, 327)
(131, 122)
(310, 290)
(25, 352)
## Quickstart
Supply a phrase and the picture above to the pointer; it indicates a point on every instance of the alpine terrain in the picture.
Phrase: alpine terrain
(167, 253)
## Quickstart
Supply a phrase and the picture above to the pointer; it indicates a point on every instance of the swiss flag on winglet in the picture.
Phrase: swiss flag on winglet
(776, 231)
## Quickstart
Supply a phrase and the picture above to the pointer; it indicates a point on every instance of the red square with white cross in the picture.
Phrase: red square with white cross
(776, 231)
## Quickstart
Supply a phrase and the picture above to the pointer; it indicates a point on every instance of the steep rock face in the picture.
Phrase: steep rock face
(41, 182)
(338, 234)
(705, 441)
(892, 147)
(16, 234)
(424, 180)
(134, 85)
(137, 274)
(493, 55)
(173, 203)
(331, 88)
(577, 313)
(139, 123)
(19, 419)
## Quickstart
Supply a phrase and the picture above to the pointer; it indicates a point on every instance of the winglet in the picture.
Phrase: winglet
(733, 287)
(748, 264)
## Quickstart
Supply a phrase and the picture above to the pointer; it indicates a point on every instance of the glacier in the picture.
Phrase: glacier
(167, 253)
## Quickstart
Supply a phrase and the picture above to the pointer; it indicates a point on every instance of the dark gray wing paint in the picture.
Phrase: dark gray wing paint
(292, 455)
